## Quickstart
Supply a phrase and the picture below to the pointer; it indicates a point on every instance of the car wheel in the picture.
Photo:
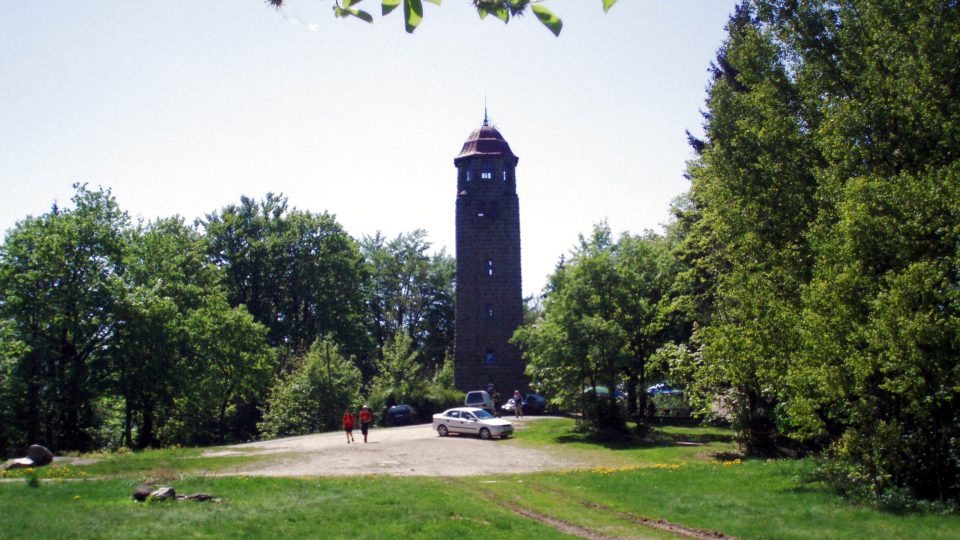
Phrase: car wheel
(442, 430)
(485, 434)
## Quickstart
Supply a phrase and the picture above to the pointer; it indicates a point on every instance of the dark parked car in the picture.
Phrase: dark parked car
(532, 404)
(401, 415)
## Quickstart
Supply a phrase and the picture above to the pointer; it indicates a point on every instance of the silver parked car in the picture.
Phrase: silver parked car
(473, 421)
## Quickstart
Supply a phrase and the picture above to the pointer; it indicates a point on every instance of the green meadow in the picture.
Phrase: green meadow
(687, 478)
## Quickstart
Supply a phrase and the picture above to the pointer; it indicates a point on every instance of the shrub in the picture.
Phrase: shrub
(312, 397)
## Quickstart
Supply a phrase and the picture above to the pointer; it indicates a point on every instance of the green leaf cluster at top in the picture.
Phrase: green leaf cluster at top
(345, 8)
(413, 10)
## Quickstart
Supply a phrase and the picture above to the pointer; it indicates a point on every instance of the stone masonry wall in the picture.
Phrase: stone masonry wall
(489, 301)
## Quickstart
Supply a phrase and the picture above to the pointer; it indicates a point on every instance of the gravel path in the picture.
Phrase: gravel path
(403, 451)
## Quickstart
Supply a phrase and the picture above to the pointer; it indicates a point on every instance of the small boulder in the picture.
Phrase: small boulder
(164, 493)
(199, 497)
(19, 463)
(40, 455)
(142, 492)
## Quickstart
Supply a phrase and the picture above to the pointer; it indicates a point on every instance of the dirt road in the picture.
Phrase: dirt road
(404, 451)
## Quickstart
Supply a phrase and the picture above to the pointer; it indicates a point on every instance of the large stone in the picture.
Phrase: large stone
(163, 494)
(40, 455)
(19, 463)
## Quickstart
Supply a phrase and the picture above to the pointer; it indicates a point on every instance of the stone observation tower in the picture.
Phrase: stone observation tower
(489, 302)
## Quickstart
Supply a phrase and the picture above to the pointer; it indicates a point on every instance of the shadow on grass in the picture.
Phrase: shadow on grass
(701, 438)
(728, 456)
(654, 439)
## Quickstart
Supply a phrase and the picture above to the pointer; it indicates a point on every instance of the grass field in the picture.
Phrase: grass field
(260, 508)
(673, 476)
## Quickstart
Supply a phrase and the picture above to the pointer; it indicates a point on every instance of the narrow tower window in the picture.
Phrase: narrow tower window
(469, 176)
(489, 267)
(489, 310)
(486, 175)
(504, 176)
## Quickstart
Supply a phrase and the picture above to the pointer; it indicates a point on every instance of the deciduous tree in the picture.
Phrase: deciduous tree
(298, 273)
(410, 291)
(59, 274)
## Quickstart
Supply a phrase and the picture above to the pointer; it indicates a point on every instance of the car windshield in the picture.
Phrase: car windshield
(482, 414)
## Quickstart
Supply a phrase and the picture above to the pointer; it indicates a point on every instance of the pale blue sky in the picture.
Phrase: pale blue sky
(181, 107)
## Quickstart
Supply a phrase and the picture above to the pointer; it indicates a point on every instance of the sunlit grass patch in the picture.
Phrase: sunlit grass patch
(746, 499)
(256, 507)
(162, 464)
(49, 472)
(666, 444)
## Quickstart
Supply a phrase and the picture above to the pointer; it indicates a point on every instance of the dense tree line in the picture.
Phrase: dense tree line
(824, 215)
(815, 293)
(256, 320)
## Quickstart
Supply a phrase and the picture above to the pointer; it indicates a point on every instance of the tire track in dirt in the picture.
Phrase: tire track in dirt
(659, 524)
(585, 532)
(663, 525)
(550, 521)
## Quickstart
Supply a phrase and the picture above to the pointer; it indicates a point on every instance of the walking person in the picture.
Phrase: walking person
(517, 404)
(496, 403)
(348, 424)
(366, 417)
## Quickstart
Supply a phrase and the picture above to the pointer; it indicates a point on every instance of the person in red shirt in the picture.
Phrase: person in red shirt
(366, 417)
(348, 425)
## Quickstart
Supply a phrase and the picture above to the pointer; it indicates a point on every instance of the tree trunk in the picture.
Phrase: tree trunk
(632, 395)
(760, 428)
(223, 414)
(643, 388)
(32, 423)
(71, 435)
(127, 439)
(145, 437)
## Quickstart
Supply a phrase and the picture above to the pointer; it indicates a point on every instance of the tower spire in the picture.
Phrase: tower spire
(486, 119)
